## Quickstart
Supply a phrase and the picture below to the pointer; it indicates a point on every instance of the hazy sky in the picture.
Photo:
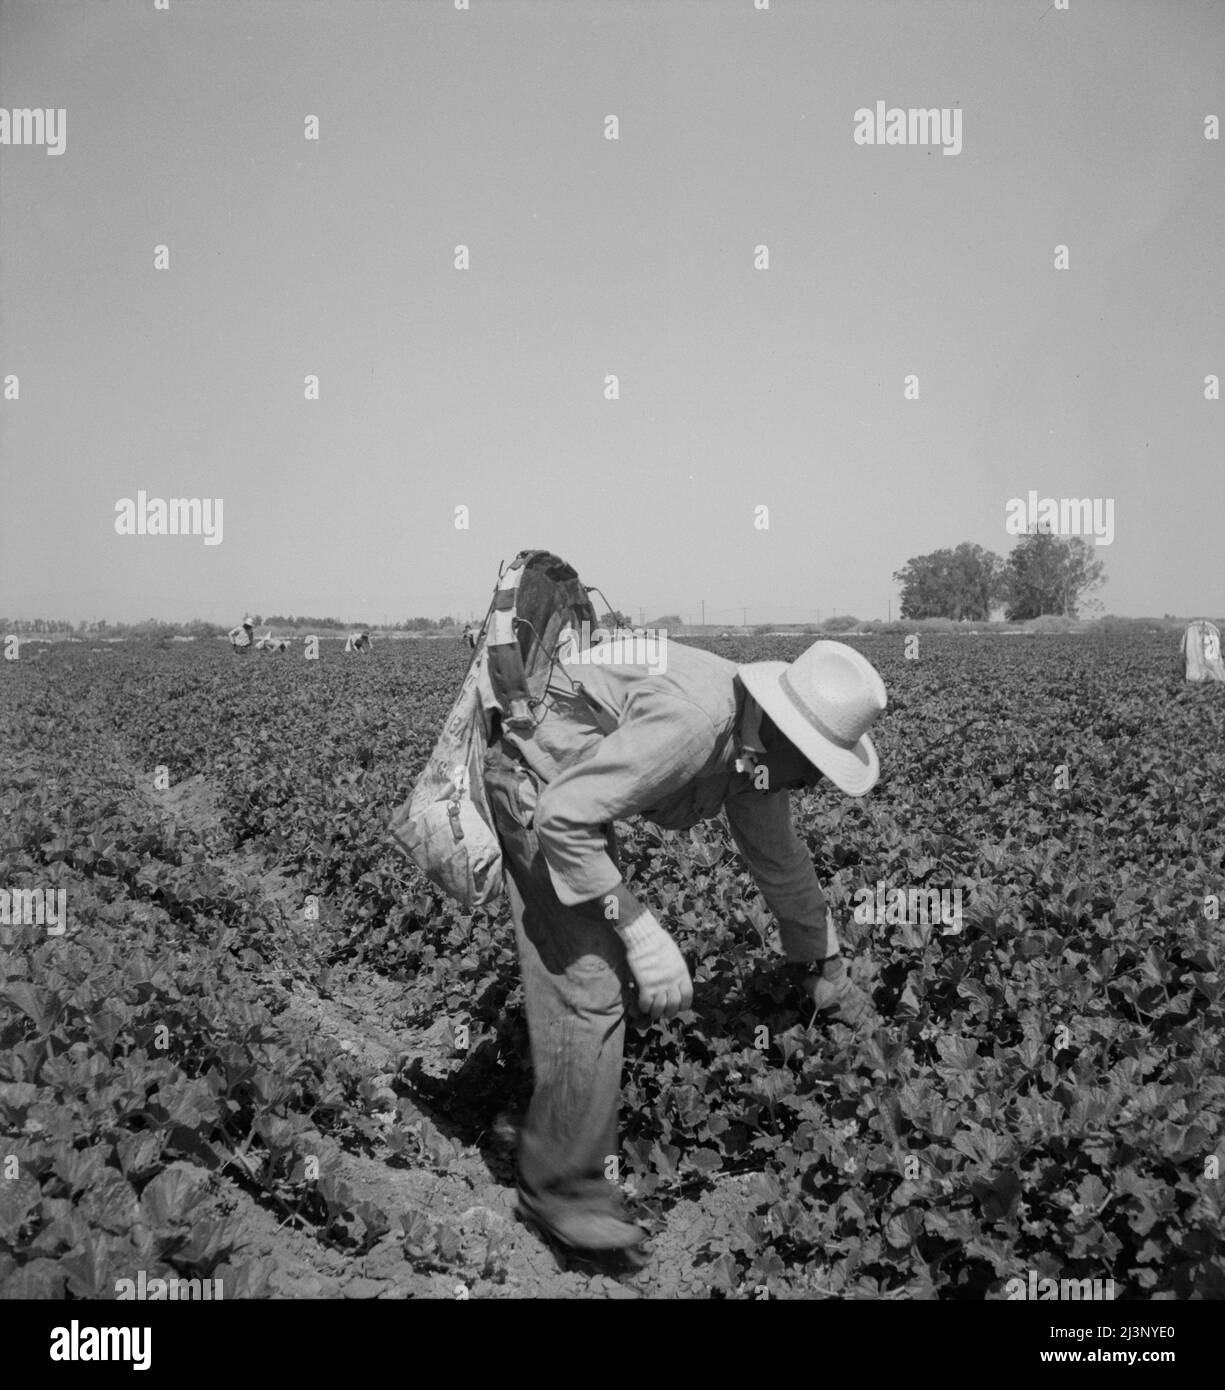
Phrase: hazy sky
(485, 387)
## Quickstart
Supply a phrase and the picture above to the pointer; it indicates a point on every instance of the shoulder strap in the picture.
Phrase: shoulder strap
(512, 636)
(506, 672)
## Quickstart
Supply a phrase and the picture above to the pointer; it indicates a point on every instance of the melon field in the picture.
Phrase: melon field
(262, 1049)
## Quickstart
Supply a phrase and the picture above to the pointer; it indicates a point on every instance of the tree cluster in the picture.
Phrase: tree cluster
(1044, 574)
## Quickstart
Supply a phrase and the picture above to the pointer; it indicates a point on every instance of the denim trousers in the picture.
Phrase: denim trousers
(576, 988)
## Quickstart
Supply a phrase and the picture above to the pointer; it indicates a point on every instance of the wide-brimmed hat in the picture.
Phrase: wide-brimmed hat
(246, 622)
(824, 702)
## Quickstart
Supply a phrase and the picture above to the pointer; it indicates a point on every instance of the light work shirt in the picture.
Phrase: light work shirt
(662, 746)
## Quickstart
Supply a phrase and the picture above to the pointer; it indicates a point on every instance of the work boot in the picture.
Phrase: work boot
(585, 1230)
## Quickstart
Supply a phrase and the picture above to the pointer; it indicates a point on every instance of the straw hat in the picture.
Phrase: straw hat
(824, 702)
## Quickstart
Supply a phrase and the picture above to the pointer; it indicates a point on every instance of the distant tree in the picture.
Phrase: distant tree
(153, 630)
(1050, 574)
(844, 622)
(669, 620)
(962, 583)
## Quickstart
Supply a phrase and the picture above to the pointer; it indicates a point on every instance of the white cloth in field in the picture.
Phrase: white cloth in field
(1201, 650)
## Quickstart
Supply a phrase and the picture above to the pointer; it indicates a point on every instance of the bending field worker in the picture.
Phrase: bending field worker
(705, 737)
(240, 637)
(549, 743)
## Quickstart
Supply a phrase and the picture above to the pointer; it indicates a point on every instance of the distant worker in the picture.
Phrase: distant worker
(358, 642)
(240, 637)
(471, 633)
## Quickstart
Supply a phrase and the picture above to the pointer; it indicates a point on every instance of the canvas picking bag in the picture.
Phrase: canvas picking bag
(1201, 651)
(447, 826)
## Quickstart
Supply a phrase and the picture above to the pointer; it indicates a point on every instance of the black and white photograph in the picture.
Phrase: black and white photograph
(612, 685)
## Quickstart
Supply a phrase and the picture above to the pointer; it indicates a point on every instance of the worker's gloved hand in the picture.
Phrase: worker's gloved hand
(658, 968)
(834, 996)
